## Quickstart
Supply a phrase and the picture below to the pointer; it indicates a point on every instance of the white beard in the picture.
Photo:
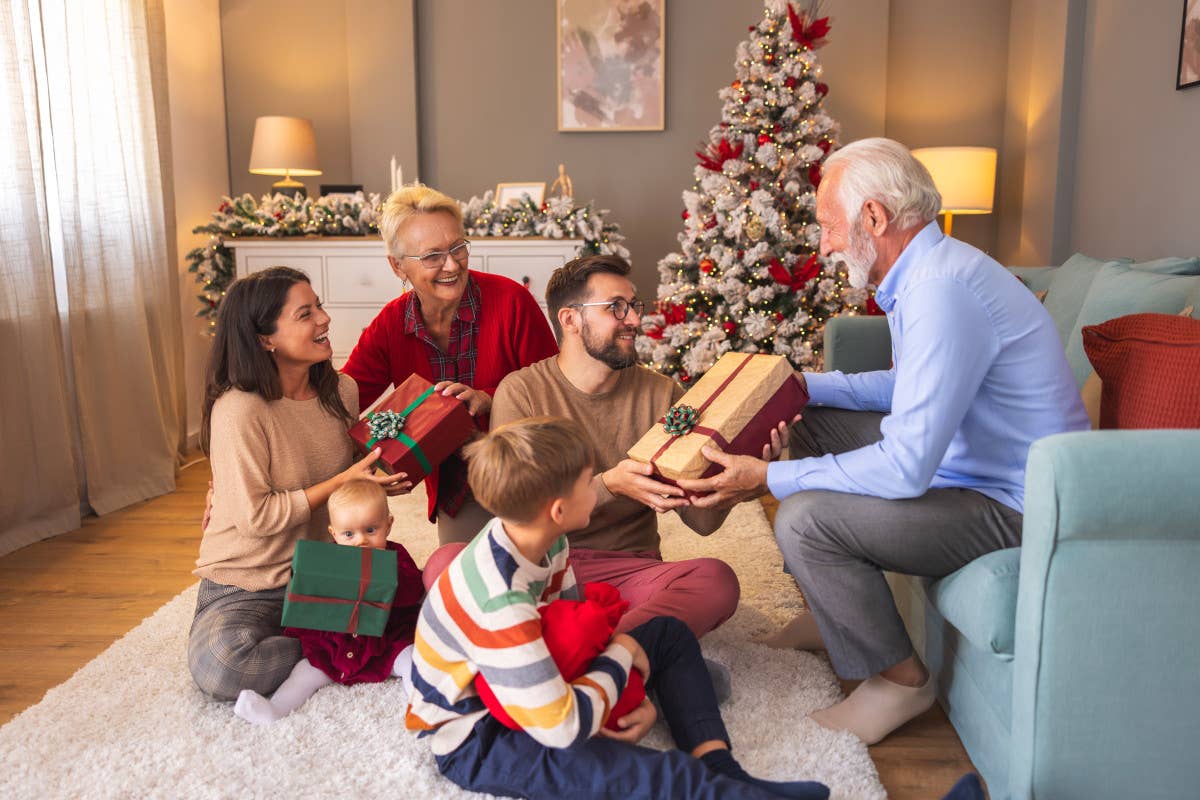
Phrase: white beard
(859, 257)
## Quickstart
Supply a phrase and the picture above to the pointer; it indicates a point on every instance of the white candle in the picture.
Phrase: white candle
(392, 174)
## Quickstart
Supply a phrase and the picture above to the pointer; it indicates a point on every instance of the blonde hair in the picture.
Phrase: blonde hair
(404, 204)
(357, 492)
(518, 468)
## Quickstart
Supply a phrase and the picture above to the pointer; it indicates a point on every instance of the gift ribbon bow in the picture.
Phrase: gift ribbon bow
(700, 429)
(390, 424)
(364, 580)
(680, 420)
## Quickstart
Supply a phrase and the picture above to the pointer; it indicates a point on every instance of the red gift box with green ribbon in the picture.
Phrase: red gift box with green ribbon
(416, 428)
(340, 588)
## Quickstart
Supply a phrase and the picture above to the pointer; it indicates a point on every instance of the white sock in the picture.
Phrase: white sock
(402, 669)
(799, 634)
(302, 684)
(877, 707)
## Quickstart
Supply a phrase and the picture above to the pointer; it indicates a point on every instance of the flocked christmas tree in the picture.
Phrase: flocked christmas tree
(748, 277)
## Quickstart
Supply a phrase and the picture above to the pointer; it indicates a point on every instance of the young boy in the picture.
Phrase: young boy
(481, 616)
(358, 517)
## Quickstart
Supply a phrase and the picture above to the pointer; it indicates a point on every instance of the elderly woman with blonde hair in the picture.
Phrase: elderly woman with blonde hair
(462, 330)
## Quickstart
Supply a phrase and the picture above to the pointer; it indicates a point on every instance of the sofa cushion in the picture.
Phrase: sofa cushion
(1148, 365)
(1036, 279)
(1068, 288)
(1171, 265)
(980, 600)
(1119, 290)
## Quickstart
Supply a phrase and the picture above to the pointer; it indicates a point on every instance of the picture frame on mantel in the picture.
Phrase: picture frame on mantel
(611, 65)
(509, 193)
(1189, 47)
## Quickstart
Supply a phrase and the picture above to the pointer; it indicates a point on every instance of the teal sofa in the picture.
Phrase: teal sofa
(1069, 665)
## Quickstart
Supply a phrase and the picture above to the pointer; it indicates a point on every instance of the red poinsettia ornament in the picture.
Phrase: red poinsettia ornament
(808, 33)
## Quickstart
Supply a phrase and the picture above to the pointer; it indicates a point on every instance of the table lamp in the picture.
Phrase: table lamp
(966, 177)
(284, 146)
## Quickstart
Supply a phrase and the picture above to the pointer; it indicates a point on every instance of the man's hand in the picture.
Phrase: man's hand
(477, 402)
(634, 725)
(632, 479)
(743, 478)
(773, 448)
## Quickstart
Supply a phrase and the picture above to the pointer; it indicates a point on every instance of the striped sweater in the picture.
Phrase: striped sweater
(482, 617)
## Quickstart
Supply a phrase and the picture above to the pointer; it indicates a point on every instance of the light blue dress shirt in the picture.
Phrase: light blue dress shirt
(978, 374)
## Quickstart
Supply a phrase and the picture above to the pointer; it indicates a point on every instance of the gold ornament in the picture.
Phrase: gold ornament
(754, 228)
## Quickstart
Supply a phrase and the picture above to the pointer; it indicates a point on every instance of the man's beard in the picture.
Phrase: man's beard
(608, 352)
(859, 257)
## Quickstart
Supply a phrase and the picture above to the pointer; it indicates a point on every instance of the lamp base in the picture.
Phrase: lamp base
(290, 187)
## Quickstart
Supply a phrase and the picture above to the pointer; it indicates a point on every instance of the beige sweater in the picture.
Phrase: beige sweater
(264, 454)
(616, 419)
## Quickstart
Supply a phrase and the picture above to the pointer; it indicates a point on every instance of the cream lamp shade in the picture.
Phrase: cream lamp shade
(284, 146)
(965, 176)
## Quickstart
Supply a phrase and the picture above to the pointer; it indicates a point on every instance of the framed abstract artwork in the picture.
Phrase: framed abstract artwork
(610, 65)
(1189, 46)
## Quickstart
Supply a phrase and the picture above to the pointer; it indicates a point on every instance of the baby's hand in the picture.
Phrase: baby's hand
(640, 661)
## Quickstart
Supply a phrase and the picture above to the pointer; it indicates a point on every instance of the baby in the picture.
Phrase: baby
(359, 517)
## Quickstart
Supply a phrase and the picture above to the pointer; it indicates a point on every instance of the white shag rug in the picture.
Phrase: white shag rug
(131, 723)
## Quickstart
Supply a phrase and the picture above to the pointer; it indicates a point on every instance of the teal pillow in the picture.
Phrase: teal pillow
(1119, 290)
(980, 600)
(1171, 265)
(1068, 288)
(1193, 300)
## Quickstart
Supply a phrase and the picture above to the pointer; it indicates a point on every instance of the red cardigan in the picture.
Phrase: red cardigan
(513, 333)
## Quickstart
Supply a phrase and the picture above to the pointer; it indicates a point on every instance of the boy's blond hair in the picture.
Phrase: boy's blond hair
(404, 204)
(357, 492)
(518, 468)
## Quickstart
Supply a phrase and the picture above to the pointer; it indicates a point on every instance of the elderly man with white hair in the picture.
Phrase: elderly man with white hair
(917, 469)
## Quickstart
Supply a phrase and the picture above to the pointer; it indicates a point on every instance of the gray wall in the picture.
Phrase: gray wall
(1137, 174)
(348, 65)
(947, 81)
(486, 85)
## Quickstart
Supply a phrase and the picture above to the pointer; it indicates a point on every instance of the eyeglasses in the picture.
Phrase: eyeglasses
(620, 307)
(436, 258)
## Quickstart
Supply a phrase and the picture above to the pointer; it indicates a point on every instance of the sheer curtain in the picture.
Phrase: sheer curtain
(95, 199)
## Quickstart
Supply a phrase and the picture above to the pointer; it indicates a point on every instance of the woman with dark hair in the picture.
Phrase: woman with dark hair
(274, 428)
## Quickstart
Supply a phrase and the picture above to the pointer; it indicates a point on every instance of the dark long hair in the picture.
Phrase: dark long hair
(251, 309)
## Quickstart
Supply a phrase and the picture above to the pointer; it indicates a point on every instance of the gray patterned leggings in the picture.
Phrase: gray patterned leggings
(236, 641)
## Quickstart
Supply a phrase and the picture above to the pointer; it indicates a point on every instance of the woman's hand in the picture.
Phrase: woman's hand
(634, 725)
(364, 469)
(477, 402)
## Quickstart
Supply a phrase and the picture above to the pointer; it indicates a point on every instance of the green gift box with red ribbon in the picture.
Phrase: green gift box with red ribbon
(416, 428)
(340, 588)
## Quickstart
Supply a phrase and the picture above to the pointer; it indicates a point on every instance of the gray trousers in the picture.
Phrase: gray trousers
(236, 641)
(837, 545)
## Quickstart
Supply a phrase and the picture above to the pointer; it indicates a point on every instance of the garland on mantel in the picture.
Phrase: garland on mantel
(358, 215)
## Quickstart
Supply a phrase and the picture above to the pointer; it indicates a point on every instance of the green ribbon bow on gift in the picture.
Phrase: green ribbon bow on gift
(390, 425)
(680, 420)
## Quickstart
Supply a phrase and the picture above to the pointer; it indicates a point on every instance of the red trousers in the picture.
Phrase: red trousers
(702, 592)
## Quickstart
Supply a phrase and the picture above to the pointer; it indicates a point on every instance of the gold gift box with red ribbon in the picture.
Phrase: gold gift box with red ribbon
(733, 407)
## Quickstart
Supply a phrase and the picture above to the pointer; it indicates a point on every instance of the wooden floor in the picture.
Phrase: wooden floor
(64, 600)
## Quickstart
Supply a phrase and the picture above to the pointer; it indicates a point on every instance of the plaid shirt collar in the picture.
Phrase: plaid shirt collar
(468, 312)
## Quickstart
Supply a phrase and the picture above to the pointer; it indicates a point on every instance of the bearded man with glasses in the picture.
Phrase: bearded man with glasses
(461, 330)
(596, 380)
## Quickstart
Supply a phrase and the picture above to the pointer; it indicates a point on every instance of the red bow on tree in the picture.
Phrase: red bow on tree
(809, 35)
(714, 158)
(673, 313)
(801, 274)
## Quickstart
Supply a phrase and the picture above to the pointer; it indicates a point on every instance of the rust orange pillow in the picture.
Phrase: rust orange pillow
(1150, 368)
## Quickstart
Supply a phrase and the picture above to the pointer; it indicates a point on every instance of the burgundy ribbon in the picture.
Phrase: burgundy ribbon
(700, 429)
(364, 580)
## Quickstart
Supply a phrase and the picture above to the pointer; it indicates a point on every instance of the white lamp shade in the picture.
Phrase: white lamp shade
(284, 146)
(966, 176)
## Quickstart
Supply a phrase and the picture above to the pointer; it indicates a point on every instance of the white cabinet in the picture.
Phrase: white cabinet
(351, 274)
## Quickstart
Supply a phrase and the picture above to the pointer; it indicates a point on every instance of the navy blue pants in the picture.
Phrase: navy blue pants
(510, 763)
